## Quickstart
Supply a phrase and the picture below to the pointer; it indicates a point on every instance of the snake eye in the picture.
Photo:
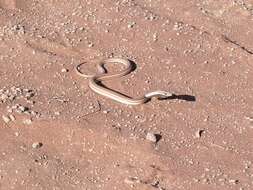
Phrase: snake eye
(164, 95)
(167, 94)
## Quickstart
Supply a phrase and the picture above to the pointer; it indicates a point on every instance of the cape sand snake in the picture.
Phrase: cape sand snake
(102, 75)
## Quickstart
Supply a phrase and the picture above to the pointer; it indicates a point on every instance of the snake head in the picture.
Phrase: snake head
(164, 95)
(159, 94)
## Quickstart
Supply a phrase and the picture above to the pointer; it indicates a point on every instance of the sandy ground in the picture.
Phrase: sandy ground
(55, 133)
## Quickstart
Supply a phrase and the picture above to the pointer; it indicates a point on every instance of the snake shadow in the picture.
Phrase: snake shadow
(185, 97)
(133, 65)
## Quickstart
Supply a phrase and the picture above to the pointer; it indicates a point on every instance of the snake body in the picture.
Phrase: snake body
(102, 75)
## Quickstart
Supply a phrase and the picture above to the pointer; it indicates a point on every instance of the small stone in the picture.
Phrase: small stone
(131, 25)
(155, 37)
(57, 113)
(30, 101)
(37, 145)
(16, 134)
(64, 70)
(90, 44)
(199, 133)
(91, 107)
(6, 118)
(234, 181)
(151, 137)
(22, 109)
(81, 28)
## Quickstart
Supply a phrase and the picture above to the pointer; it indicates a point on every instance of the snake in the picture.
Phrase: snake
(95, 82)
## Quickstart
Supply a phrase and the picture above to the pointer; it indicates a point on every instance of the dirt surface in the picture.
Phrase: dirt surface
(55, 133)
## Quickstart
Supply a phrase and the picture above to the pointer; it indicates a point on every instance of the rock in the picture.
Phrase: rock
(16, 134)
(57, 113)
(37, 145)
(22, 108)
(131, 25)
(64, 70)
(234, 181)
(152, 137)
(105, 111)
(199, 133)
(90, 44)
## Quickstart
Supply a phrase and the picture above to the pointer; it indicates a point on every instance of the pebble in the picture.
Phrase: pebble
(234, 181)
(16, 134)
(91, 107)
(105, 111)
(64, 70)
(37, 145)
(131, 25)
(90, 44)
(199, 133)
(57, 113)
(151, 137)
